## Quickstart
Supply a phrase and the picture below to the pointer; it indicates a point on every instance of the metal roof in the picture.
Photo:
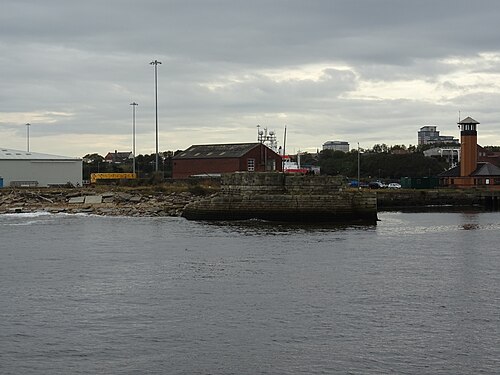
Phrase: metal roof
(10, 154)
(217, 151)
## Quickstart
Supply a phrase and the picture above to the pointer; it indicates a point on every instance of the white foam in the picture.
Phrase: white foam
(27, 214)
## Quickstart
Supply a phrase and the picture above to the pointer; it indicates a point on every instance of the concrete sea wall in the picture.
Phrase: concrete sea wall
(438, 197)
(281, 197)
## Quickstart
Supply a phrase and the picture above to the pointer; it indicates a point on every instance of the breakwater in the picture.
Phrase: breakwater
(281, 197)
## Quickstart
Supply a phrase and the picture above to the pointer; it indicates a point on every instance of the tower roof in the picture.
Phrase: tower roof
(468, 120)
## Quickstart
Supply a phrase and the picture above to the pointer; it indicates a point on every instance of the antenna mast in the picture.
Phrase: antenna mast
(284, 142)
(267, 138)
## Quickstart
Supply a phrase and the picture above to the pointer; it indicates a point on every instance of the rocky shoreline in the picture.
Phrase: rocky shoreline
(171, 201)
(106, 203)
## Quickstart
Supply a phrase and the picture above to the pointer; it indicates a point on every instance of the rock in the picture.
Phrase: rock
(132, 203)
(123, 196)
(76, 200)
(72, 195)
(93, 199)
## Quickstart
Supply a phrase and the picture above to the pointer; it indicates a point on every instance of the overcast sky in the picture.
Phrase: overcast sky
(367, 71)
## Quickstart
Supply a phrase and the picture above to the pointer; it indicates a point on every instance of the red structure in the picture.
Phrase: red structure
(213, 160)
(470, 172)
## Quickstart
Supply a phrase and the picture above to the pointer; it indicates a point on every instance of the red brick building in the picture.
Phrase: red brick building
(118, 157)
(199, 160)
(471, 172)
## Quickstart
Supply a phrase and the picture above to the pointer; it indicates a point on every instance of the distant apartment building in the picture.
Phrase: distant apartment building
(429, 135)
(336, 146)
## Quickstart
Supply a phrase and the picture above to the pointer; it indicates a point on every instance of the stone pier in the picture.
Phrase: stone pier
(282, 197)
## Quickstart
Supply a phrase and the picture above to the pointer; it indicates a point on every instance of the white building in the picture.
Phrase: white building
(21, 168)
(429, 134)
(336, 146)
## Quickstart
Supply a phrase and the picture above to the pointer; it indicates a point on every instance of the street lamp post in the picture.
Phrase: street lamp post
(155, 63)
(28, 137)
(134, 104)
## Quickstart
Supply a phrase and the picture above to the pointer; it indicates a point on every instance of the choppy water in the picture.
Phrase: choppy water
(417, 294)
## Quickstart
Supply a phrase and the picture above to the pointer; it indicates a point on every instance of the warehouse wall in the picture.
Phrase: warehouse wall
(45, 172)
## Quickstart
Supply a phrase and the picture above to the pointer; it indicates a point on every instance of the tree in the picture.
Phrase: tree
(93, 158)
(337, 162)
(379, 165)
(380, 148)
(93, 163)
(398, 148)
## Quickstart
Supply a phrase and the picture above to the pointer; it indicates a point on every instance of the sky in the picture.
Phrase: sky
(367, 71)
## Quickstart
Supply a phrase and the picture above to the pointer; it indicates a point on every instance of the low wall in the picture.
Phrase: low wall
(281, 197)
(278, 183)
(437, 197)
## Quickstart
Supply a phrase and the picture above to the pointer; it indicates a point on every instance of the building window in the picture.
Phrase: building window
(250, 165)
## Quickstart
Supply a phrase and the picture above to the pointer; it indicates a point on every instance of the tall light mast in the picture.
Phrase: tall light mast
(133, 104)
(156, 63)
(28, 137)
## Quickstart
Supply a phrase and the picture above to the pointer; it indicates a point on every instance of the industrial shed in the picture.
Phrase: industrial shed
(209, 160)
(21, 168)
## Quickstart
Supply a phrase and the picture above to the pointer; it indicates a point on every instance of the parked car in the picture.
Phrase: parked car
(375, 185)
(394, 185)
(354, 184)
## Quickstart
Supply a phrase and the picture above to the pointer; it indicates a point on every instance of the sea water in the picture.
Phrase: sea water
(418, 293)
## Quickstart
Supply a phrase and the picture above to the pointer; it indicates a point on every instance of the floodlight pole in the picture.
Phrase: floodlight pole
(28, 137)
(134, 104)
(359, 181)
(155, 63)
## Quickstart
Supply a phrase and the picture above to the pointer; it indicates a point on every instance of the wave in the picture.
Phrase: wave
(32, 218)
(26, 214)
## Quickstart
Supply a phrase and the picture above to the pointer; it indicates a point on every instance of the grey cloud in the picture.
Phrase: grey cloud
(91, 59)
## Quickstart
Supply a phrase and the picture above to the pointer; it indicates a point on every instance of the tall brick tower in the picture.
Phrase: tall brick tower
(468, 149)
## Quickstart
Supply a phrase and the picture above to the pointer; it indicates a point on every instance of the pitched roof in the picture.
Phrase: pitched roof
(468, 120)
(120, 154)
(10, 154)
(486, 169)
(482, 170)
(452, 172)
(217, 151)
